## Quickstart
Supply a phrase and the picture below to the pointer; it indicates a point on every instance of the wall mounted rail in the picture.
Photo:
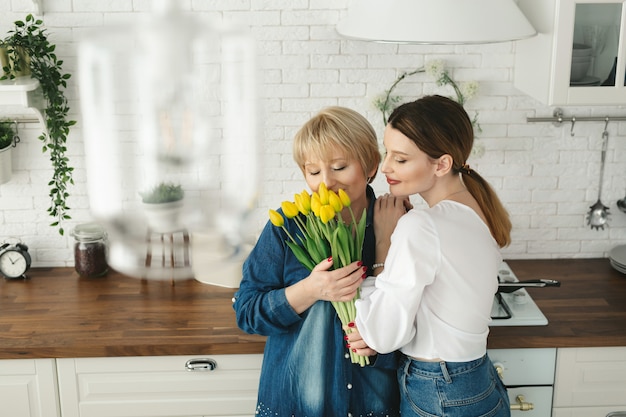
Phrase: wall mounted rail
(558, 119)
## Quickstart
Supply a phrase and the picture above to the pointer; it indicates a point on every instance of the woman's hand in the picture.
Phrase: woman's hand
(355, 342)
(387, 211)
(336, 285)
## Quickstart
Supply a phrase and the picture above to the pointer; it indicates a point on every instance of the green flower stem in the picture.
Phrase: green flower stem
(289, 235)
(354, 223)
(347, 313)
(302, 227)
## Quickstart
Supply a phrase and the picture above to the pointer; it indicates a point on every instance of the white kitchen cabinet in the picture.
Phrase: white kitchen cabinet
(28, 388)
(590, 382)
(159, 386)
(544, 67)
(529, 377)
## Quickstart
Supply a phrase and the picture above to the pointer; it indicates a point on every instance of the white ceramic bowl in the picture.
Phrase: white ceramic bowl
(578, 70)
(580, 49)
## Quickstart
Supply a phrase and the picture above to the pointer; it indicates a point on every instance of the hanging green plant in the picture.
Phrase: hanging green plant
(28, 47)
(7, 134)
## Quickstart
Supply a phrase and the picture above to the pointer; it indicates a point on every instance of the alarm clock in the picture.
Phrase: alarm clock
(14, 260)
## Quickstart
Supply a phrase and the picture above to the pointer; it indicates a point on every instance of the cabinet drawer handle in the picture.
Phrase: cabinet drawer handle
(203, 364)
(499, 370)
(522, 405)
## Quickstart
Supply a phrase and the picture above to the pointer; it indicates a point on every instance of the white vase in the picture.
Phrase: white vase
(5, 164)
(164, 217)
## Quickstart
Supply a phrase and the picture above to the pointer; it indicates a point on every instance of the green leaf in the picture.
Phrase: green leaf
(360, 235)
(340, 244)
(301, 255)
(313, 250)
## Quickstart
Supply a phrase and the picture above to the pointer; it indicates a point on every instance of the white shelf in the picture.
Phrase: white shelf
(22, 92)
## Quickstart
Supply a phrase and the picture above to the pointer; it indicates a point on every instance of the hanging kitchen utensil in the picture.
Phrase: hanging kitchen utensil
(599, 213)
(621, 205)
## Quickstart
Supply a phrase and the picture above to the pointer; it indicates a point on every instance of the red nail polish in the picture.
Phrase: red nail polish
(345, 338)
(359, 263)
(330, 259)
(354, 350)
(348, 345)
(364, 276)
(351, 324)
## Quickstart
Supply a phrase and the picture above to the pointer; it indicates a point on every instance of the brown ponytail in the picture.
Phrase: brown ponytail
(495, 213)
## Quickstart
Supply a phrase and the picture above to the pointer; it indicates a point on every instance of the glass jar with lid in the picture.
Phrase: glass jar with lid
(90, 250)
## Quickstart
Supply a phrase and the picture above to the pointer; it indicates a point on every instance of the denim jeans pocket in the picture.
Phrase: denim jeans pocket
(458, 390)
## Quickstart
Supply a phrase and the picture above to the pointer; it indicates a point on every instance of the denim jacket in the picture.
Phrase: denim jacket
(306, 369)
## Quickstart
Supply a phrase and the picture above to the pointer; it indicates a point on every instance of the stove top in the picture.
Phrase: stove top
(516, 308)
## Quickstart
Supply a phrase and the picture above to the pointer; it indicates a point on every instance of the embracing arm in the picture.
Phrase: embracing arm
(387, 211)
(388, 306)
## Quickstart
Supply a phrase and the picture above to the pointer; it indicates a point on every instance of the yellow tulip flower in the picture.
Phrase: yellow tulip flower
(344, 198)
(276, 219)
(306, 202)
(316, 204)
(323, 192)
(327, 212)
(297, 199)
(335, 201)
(290, 210)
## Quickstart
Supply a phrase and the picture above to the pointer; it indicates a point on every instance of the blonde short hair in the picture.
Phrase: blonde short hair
(338, 129)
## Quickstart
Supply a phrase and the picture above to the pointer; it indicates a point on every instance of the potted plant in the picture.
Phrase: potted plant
(163, 205)
(28, 47)
(164, 192)
(7, 140)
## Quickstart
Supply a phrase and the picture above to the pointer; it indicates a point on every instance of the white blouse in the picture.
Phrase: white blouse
(433, 299)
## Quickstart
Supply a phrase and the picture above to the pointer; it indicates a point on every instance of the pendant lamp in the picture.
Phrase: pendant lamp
(435, 21)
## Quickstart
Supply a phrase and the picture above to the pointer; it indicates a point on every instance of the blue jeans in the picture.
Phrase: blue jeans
(451, 389)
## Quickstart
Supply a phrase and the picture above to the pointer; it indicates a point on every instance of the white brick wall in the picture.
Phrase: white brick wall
(546, 178)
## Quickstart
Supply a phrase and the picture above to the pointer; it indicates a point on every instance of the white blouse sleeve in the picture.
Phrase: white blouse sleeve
(386, 315)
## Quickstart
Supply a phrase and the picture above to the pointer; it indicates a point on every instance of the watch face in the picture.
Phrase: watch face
(13, 263)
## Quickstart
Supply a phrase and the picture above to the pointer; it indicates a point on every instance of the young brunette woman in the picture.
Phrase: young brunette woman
(307, 369)
(432, 297)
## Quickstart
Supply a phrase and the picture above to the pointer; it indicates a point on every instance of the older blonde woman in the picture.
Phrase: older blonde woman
(307, 369)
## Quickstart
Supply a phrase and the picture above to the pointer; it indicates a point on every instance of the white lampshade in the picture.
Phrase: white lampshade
(436, 21)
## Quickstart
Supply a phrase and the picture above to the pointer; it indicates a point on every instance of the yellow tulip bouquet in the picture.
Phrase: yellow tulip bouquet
(323, 234)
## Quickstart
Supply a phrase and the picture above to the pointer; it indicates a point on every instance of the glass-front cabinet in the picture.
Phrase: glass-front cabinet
(579, 54)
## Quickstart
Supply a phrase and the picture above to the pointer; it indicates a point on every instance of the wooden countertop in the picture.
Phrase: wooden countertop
(587, 310)
(57, 314)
